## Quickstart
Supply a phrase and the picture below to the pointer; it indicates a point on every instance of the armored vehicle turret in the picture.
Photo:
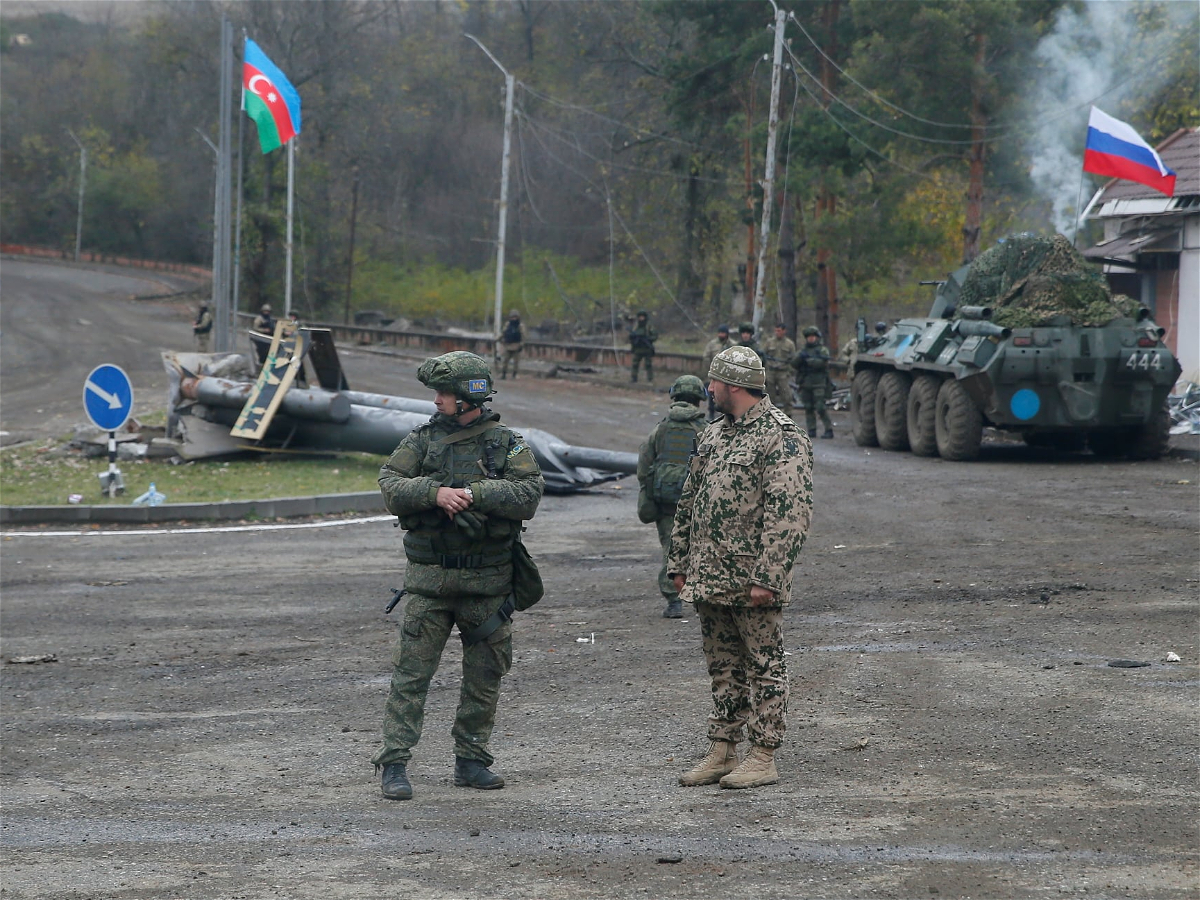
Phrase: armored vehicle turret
(1028, 339)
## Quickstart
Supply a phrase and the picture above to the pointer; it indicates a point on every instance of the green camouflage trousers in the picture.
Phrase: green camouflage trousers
(814, 399)
(779, 389)
(427, 624)
(665, 584)
(744, 650)
(638, 360)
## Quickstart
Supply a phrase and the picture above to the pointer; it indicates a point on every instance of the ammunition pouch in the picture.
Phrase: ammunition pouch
(527, 587)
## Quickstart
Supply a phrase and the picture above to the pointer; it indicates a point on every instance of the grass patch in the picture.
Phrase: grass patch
(47, 475)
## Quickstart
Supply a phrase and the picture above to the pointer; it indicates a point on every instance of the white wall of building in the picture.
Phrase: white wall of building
(1188, 341)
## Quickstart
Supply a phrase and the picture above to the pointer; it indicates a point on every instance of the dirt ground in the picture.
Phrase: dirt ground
(955, 727)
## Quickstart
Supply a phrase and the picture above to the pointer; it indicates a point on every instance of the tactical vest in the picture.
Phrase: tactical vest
(676, 440)
(432, 538)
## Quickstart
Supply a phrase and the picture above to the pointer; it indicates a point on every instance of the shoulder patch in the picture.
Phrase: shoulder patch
(517, 448)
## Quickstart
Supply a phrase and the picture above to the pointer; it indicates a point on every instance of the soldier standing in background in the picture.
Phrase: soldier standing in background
(641, 345)
(812, 377)
(202, 327)
(461, 485)
(511, 341)
(264, 323)
(662, 470)
(742, 519)
(291, 324)
(711, 349)
(746, 335)
(778, 351)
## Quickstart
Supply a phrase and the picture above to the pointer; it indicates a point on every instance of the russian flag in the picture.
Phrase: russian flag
(1115, 149)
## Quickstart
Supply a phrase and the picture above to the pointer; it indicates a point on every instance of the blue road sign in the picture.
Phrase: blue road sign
(108, 397)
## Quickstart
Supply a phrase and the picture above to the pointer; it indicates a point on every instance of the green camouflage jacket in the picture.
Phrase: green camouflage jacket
(481, 554)
(642, 338)
(745, 510)
(681, 415)
(812, 365)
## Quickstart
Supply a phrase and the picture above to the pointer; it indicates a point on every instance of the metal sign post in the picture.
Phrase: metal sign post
(108, 401)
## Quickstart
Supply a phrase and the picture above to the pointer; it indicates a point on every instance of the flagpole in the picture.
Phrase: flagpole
(237, 222)
(287, 294)
(1078, 200)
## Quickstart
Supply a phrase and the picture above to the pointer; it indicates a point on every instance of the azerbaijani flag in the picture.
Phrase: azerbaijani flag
(1115, 149)
(269, 99)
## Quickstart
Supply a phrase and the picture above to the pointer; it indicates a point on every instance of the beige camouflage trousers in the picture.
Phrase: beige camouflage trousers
(744, 650)
(779, 389)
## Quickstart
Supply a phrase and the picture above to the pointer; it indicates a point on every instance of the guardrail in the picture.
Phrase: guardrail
(569, 354)
(89, 256)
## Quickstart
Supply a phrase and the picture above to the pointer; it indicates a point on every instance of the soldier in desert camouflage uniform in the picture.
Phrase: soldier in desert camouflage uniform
(778, 350)
(461, 484)
(741, 522)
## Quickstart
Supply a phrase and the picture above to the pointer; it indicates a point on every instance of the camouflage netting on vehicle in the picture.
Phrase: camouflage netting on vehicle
(1029, 280)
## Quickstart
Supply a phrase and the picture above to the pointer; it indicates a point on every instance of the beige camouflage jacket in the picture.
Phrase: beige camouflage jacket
(745, 510)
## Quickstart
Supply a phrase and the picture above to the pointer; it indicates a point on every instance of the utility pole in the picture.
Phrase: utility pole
(216, 260)
(222, 314)
(769, 177)
(350, 261)
(82, 181)
(509, 85)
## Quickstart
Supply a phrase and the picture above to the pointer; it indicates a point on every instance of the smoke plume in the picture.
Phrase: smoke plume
(1101, 54)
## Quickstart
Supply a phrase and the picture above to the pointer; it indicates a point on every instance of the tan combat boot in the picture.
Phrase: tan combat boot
(721, 760)
(758, 768)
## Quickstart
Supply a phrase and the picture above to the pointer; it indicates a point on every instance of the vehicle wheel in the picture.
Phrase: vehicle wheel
(891, 410)
(1150, 440)
(1110, 444)
(959, 423)
(862, 407)
(922, 415)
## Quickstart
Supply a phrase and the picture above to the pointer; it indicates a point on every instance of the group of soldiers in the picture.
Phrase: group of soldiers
(732, 500)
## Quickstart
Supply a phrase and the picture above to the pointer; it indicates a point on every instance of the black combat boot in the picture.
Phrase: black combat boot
(473, 773)
(395, 782)
(674, 609)
(828, 433)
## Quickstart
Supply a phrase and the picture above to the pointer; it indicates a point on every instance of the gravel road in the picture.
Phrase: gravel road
(956, 728)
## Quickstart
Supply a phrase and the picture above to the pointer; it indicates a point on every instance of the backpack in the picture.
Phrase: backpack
(677, 441)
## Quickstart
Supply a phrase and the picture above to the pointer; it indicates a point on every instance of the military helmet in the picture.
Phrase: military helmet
(265, 308)
(688, 388)
(812, 331)
(881, 327)
(460, 373)
(746, 326)
(740, 366)
(514, 315)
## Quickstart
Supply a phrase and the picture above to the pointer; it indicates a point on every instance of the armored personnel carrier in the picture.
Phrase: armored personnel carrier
(1028, 339)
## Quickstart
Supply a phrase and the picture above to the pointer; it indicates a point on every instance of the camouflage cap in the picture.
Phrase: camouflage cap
(463, 374)
(688, 387)
(740, 366)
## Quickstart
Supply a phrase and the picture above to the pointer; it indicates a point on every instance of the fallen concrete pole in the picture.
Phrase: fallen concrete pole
(312, 419)
(310, 404)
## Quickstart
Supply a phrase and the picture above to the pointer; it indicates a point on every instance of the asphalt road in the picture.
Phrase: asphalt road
(955, 726)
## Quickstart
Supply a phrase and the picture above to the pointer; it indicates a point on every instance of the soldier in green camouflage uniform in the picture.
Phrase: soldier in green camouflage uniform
(812, 377)
(460, 485)
(662, 469)
(778, 351)
(742, 519)
(746, 338)
(641, 346)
